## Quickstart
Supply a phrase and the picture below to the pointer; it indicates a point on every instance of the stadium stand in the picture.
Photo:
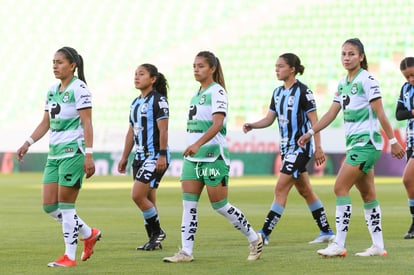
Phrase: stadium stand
(246, 35)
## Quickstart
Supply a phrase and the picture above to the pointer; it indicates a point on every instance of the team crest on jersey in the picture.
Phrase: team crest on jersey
(291, 101)
(202, 100)
(144, 108)
(354, 89)
(65, 97)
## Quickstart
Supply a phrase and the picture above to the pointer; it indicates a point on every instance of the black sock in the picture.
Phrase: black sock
(270, 222)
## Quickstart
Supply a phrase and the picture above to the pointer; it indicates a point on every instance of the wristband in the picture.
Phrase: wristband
(163, 152)
(30, 140)
(311, 132)
(393, 141)
(88, 150)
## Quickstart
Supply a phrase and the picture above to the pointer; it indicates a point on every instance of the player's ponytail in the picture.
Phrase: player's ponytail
(73, 57)
(213, 61)
(407, 63)
(160, 84)
(294, 62)
(357, 43)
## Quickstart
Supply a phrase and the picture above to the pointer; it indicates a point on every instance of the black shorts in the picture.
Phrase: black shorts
(294, 163)
(145, 171)
(409, 153)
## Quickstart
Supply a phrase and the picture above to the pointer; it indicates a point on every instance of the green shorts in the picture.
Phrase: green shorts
(364, 157)
(66, 172)
(210, 173)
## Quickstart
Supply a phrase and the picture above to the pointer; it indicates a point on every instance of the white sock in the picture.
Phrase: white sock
(57, 215)
(70, 232)
(373, 219)
(238, 220)
(343, 217)
(84, 229)
(189, 226)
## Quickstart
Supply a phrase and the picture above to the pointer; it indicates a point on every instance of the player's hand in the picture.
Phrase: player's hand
(319, 156)
(122, 164)
(397, 151)
(22, 151)
(304, 139)
(191, 150)
(161, 164)
(89, 166)
(247, 127)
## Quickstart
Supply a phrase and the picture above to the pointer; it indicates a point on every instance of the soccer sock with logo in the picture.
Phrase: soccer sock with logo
(343, 218)
(411, 205)
(373, 218)
(189, 222)
(236, 218)
(319, 215)
(70, 228)
(272, 218)
(54, 211)
(151, 218)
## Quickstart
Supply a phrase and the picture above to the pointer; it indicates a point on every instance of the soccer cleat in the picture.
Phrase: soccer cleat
(89, 243)
(256, 248)
(180, 256)
(410, 234)
(264, 237)
(160, 238)
(63, 261)
(324, 237)
(333, 250)
(154, 242)
(372, 251)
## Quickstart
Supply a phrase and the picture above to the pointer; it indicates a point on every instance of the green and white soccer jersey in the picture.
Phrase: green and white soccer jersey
(66, 132)
(360, 121)
(200, 118)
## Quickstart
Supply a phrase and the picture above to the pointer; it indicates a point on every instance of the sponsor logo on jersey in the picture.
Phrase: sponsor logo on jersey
(163, 104)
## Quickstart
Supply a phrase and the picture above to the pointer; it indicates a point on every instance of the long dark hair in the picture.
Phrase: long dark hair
(160, 85)
(213, 61)
(406, 63)
(293, 61)
(73, 57)
(357, 43)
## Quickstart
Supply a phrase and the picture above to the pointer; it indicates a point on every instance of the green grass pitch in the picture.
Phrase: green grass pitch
(30, 238)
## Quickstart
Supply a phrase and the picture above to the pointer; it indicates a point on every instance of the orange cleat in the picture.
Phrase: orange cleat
(63, 261)
(89, 243)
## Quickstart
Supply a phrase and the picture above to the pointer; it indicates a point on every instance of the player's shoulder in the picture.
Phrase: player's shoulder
(79, 85)
(365, 75)
(303, 87)
(217, 89)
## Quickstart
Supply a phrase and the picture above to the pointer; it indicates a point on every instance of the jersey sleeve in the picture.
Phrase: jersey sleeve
(371, 88)
(307, 100)
(47, 102)
(272, 106)
(83, 97)
(403, 112)
(161, 108)
(219, 102)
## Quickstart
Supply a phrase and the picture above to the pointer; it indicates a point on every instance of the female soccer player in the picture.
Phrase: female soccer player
(294, 107)
(405, 111)
(68, 116)
(359, 97)
(148, 130)
(207, 161)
